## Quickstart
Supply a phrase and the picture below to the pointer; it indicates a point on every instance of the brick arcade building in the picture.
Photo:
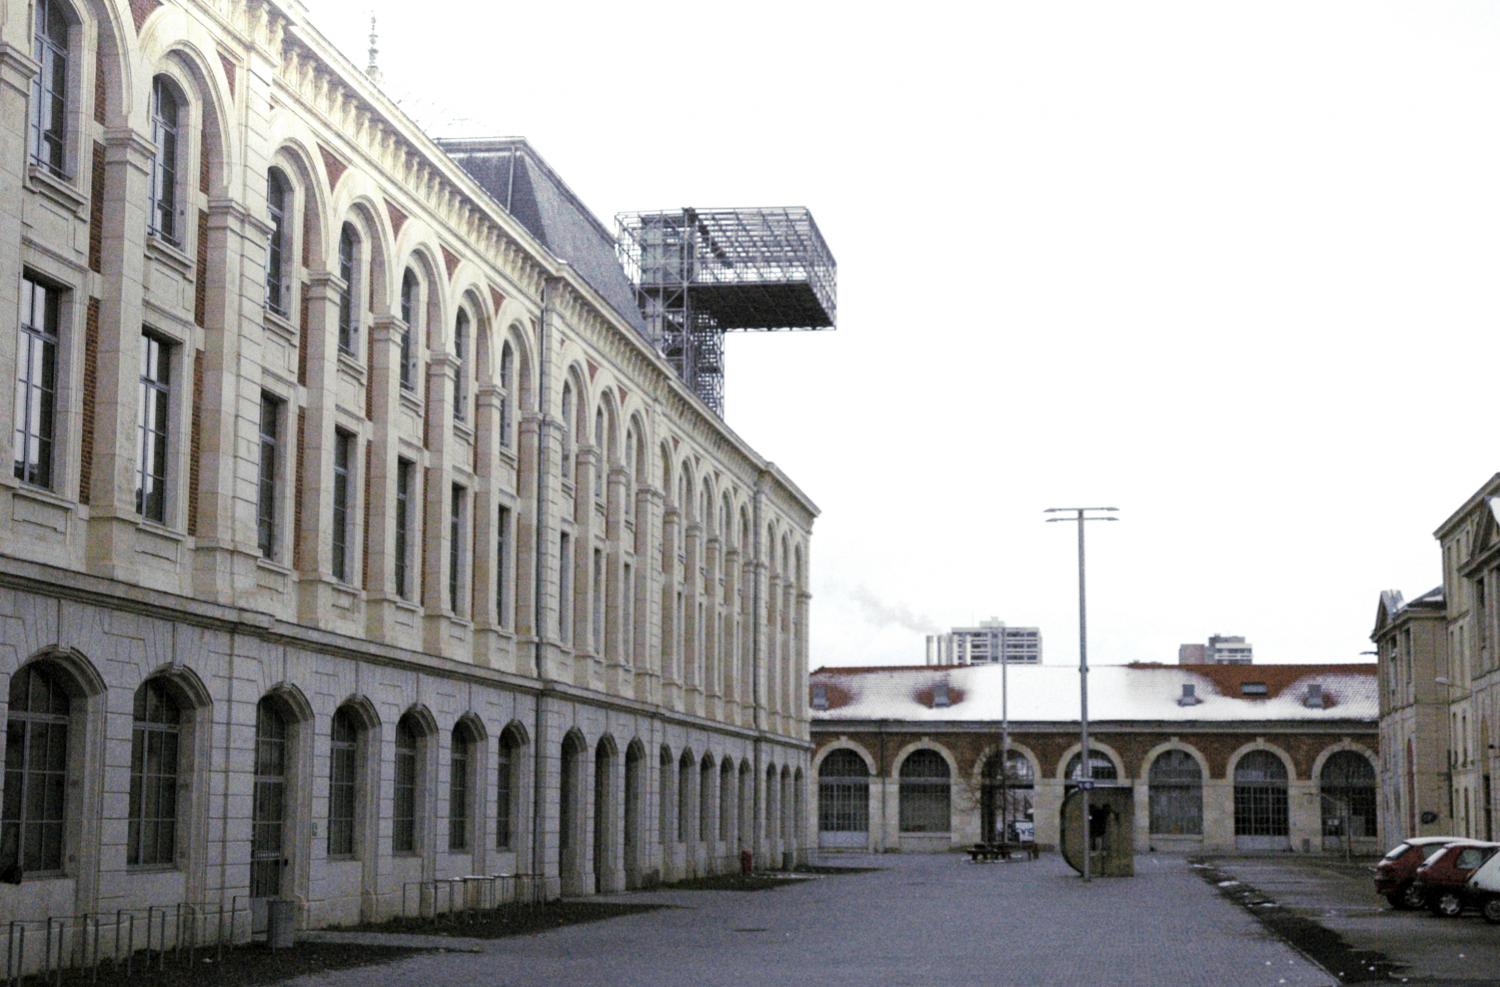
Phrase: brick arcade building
(1263, 757)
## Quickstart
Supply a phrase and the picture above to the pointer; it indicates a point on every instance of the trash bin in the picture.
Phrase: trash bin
(281, 923)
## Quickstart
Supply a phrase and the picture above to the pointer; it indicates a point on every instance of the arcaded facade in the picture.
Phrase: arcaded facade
(1215, 758)
(352, 539)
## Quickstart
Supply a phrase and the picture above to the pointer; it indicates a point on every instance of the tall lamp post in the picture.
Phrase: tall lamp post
(1079, 515)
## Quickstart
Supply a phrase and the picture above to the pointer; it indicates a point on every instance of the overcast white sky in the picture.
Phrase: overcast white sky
(1229, 267)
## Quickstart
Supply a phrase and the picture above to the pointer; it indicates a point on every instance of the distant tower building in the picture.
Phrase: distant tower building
(990, 643)
(1221, 649)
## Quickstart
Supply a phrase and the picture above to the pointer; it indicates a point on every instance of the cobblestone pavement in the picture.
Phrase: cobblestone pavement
(924, 919)
(1341, 898)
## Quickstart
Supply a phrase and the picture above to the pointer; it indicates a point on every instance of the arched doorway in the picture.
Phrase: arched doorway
(1260, 803)
(1007, 800)
(926, 788)
(1347, 784)
(1176, 794)
(603, 815)
(270, 815)
(1101, 768)
(570, 828)
(635, 758)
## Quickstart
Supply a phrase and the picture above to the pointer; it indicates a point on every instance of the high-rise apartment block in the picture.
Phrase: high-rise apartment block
(988, 644)
(1221, 649)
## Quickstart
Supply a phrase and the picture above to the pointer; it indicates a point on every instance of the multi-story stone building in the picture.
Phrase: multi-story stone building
(1411, 641)
(354, 538)
(1216, 757)
(1221, 649)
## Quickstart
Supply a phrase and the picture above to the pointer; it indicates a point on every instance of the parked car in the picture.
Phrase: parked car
(1443, 876)
(1398, 869)
(1484, 889)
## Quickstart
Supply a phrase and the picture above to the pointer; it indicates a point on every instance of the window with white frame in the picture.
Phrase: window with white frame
(410, 314)
(278, 249)
(36, 381)
(167, 112)
(461, 370)
(47, 123)
(457, 514)
(405, 500)
(507, 401)
(266, 478)
(349, 291)
(502, 566)
(154, 745)
(343, 513)
(151, 450)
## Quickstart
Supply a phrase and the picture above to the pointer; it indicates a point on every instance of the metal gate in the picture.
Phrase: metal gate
(843, 801)
(268, 818)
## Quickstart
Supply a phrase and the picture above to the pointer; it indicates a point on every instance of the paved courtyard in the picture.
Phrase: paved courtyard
(922, 919)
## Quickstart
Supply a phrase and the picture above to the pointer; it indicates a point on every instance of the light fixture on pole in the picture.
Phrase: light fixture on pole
(1079, 515)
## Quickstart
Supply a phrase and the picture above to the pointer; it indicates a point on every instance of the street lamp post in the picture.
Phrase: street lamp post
(1079, 516)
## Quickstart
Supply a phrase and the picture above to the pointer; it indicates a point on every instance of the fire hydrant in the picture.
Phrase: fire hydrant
(746, 863)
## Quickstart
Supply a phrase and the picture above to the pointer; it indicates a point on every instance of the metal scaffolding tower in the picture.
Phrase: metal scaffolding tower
(701, 273)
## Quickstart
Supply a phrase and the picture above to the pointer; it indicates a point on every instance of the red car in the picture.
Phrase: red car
(1442, 877)
(1398, 869)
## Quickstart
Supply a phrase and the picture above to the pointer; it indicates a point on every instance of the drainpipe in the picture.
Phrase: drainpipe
(539, 600)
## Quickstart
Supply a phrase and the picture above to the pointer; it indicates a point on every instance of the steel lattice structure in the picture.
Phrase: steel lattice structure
(699, 273)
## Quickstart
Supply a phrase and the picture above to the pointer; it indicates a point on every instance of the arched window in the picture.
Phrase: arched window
(507, 399)
(348, 273)
(166, 111)
(664, 796)
(843, 800)
(342, 782)
(568, 794)
(925, 802)
(684, 797)
(47, 133)
(459, 803)
(1006, 799)
(1260, 801)
(599, 450)
(1176, 794)
(34, 815)
(567, 431)
(508, 791)
(1348, 783)
(268, 843)
(726, 800)
(154, 746)
(278, 208)
(405, 787)
(461, 355)
(410, 314)
(706, 799)
(1101, 768)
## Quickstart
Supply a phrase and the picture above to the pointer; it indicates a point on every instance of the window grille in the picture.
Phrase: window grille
(348, 264)
(343, 459)
(268, 809)
(664, 796)
(458, 790)
(505, 793)
(265, 500)
(164, 125)
(154, 743)
(341, 784)
(36, 381)
(684, 797)
(408, 344)
(46, 135)
(925, 790)
(1176, 795)
(843, 794)
(156, 399)
(1009, 798)
(1348, 779)
(1260, 795)
(404, 790)
(34, 812)
(1101, 768)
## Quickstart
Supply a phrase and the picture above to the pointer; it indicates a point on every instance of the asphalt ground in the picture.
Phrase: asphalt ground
(920, 919)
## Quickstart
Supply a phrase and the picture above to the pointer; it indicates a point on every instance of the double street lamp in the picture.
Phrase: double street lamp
(1079, 515)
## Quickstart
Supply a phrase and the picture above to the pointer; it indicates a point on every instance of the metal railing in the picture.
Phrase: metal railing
(127, 939)
(468, 898)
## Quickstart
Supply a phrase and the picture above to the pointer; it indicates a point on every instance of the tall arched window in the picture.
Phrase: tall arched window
(34, 815)
(1260, 801)
(1101, 768)
(1176, 794)
(405, 788)
(567, 431)
(461, 356)
(684, 796)
(925, 789)
(348, 272)
(664, 796)
(1006, 799)
(166, 111)
(278, 209)
(599, 450)
(154, 747)
(459, 803)
(1348, 782)
(342, 782)
(410, 314)
(508, 789)
(843, 800)
(630, 468)
(268, 843)
(726, 800)
(507, 398)
(706, 799)
(47, 133)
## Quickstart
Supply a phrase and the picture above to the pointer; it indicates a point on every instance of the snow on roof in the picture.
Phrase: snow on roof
(1049, 693)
